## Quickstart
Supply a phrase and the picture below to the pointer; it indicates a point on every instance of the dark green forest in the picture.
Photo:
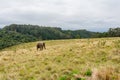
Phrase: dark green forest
(15, 34)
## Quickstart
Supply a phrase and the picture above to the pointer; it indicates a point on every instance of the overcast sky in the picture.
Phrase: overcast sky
(93, 15)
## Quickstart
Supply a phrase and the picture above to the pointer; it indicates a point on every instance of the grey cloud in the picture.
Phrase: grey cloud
(95, 15)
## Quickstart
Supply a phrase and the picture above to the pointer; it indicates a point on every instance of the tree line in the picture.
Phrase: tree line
(16, 34)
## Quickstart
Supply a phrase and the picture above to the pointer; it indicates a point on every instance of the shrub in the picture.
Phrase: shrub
(88, 72)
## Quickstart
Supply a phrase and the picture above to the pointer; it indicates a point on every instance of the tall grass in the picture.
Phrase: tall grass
(74, 59)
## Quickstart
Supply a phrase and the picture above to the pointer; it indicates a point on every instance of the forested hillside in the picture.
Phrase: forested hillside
(16, 34)
(10, 38)
(40, 32)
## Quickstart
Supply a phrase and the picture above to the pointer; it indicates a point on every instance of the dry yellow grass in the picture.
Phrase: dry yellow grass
(74, 59)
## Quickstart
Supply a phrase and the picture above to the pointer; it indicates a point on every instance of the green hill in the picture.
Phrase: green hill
(73, 59)
(21, 33)
(16, 34)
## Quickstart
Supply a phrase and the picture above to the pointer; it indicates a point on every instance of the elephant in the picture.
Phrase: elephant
(41, 45)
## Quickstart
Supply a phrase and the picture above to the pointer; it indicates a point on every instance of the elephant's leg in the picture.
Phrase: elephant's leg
(41, 47)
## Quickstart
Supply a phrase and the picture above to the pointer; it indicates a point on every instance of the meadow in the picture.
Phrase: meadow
(71, 59)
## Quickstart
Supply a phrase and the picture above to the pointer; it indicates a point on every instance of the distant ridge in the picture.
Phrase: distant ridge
(20, 33)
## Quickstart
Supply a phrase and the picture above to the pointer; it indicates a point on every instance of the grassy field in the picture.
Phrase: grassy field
(74, 59)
